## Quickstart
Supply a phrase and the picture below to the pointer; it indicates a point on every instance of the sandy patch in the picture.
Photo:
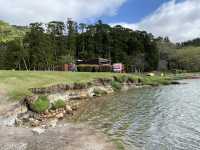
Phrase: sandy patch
(65, 137)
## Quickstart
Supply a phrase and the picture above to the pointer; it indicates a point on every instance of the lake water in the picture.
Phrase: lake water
(158, 118)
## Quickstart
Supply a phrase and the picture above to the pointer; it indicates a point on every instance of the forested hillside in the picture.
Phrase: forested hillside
(9, 32)
(181, 56)
(46, 46)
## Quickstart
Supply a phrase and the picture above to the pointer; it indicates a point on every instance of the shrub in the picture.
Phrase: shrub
(121, 79)
(94, 68)
(40, 105)
(105, 68)
(58, 104)
(87, 68)
(116, 85)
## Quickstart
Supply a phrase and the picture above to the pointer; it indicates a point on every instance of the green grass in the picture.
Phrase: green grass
(58, 104)
(17, 83)
(40, 105)
(116, 85)
(156, 80)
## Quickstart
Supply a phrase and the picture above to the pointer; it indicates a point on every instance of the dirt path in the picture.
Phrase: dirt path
(66, 137)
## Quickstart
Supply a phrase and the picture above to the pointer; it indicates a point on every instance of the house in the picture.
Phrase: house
(118, 67)
(94, 65)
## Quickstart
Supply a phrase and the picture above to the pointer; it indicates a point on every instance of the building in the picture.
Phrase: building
(96, 61)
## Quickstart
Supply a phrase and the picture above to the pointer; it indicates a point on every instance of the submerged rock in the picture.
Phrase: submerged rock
(68, 109)
(60, 116)
(53, 123)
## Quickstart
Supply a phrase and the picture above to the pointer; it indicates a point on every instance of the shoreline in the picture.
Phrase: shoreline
(111, 144)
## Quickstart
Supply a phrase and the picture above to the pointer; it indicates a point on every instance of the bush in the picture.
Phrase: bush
(40, 105)
(94, 68)
(105, 68)
(121, 79)
(58, 104)
(88, 68)
(116, 85)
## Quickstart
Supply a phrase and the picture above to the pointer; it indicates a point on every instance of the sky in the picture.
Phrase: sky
(177, 19)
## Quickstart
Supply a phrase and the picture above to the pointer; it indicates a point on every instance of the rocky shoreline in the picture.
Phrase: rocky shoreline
(21, 122)
(71, 94)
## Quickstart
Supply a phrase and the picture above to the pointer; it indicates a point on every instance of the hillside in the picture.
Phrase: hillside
(185, 58)
(9, 32)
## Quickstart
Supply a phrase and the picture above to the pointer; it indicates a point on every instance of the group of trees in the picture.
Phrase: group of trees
(46, 46)
(183, 56)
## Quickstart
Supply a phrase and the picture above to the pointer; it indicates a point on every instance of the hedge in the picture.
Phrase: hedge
(94, 68)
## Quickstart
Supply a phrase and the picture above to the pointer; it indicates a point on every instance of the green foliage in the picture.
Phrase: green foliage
(40, 105)
(58, 104)
(94, 68)
(156, 80)
(121, 79)
(105, 68)
(48, 49)
(116, 85)
(187, 58)
(88, 68)
(67, 59)
(9, 33)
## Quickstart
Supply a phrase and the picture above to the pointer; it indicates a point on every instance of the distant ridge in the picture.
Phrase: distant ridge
(10, 32)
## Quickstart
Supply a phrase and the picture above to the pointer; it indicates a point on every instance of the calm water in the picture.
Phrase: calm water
(160, 118)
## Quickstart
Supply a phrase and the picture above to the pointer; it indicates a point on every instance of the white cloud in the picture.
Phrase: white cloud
(26, 11)
(180, 21)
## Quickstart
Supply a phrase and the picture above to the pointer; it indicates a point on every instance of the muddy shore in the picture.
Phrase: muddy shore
(63, 137)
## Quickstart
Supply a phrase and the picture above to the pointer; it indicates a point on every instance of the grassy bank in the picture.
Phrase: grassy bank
(17, 83)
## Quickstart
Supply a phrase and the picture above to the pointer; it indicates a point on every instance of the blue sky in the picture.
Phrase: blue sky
(177, 19)
(134, 10)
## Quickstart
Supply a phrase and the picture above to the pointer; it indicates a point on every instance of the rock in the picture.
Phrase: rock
(68, 109)
(55, 97)
(83, 94)
(31, 99)
(46, 112)
(18, 122)
(38, 131)
(99, 91)
(53, 123)
(34, 122)
(24, 117)
(60, 116)
(74, 107)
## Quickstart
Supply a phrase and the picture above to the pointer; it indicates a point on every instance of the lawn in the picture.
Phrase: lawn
(17, 83)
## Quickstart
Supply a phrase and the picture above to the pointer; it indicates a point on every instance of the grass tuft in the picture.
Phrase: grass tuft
(40, 105)
(58, 104)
